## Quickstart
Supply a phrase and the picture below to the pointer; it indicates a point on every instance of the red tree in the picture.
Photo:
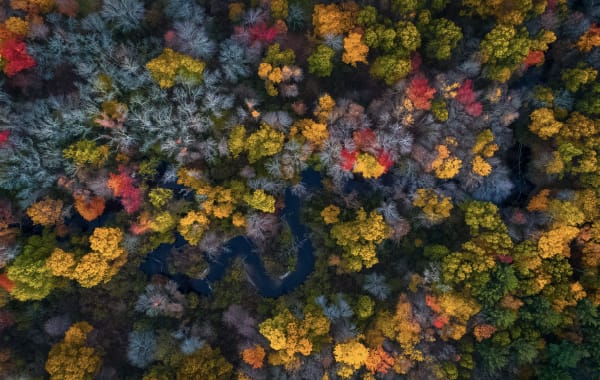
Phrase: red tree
(122, 186)
(420, 93)
(15, 54)
(348, 159)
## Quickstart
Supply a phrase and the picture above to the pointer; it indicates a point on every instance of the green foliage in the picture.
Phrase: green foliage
(276, 57)
(32, 279)
(575, 78)
(264, 143)
(87, 152)
(441, 36)
(320, 61)
(390, 68)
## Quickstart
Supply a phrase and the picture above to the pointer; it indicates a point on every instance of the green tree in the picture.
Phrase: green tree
(320, 61)
(390, 69)
(441, 36)
(32, 279)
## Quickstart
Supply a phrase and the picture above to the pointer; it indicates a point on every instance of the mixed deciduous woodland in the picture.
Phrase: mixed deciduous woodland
(299, 189)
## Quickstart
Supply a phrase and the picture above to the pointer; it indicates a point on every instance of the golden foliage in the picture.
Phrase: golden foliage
(98, 266)
(355, 50)
(540, 201)
(261, 201)
(435, 207)
(556, 241)
(46, 212)
(316, 133)
(192, 226)
(330, 214)
(358, 239)
(352, 355)
(334, 19)
(368, 166)
(324, 108)
(544, 124)
(445, 165)
(172, 66)
(17, 26)
(72, 359)
(289, 336)
(480, 166)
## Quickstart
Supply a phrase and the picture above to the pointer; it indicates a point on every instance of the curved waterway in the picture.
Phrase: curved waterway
(242, 247)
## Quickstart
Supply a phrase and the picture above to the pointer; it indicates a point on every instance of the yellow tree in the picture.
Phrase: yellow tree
(435, 207)
(193, 225)
(96, 267)
(264, 143)
(544, 124)
(261, 201)
(359, 238)
(73, 359)
(445, 165)
(352, 355)
(334, 19)
(289, 336)
(171, 66)
(354, 49)
(46, 212)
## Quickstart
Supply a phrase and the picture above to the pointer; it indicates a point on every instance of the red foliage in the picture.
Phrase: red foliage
(474, 109)
(432, 302)
(364, 138)
(170, 37)
(15, 54)
(260, 32)
(440, 321)
(504, 259)
(534, 58)
(348, 159)
(420, 93)
(465, 94)
(385, 159)
(4, 135)
(416, 61)
(6, 282)
(123, 187)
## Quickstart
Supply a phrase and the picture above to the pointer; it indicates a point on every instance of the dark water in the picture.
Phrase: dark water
(241, 246)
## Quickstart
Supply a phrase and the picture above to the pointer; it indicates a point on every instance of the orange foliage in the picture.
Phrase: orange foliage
(482, 332)
(254, 356)
(539, 202)
(432, 302)
(379, 361)
(589, 39)
(334, 19)
(6, 283)
(420, 93)
(89, 207)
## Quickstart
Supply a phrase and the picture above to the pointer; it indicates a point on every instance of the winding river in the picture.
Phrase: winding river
(241, 246)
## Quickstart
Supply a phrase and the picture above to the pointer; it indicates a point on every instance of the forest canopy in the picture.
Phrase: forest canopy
(299, 189)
